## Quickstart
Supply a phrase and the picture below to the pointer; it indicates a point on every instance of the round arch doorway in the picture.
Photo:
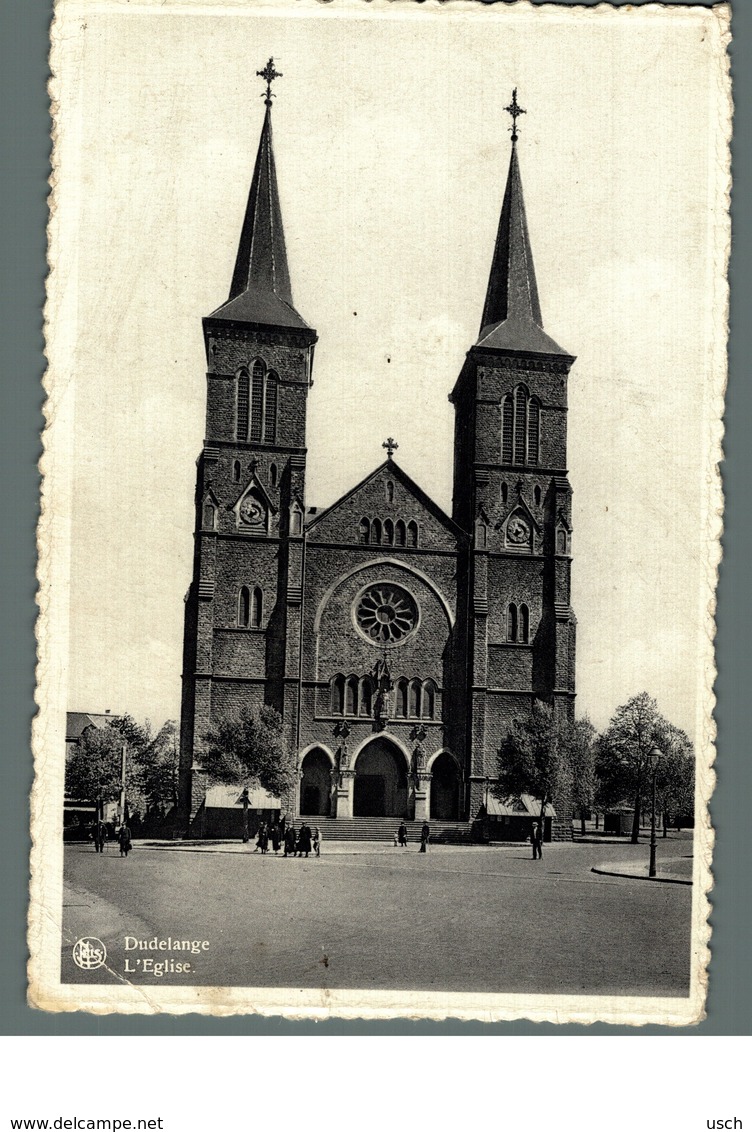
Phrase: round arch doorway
(315, 784)
(380, 781)
(445, 788)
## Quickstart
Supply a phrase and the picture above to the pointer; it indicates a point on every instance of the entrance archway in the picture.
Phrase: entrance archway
(315, 785)
(445, 788)
(380, 781)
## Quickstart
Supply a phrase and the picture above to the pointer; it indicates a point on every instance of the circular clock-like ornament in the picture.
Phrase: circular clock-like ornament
(252, 512)
(386, 614)
(518, 531)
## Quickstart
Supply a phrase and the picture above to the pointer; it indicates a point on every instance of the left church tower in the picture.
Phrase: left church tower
(242, 615)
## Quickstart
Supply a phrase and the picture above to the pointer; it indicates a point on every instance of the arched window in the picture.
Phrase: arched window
(366, 695)
(400, 533)
(376, 532)
(524, 624)
(389, 532)
(429, 699)
(244, 607)
(257, 600)
(257, 400)
(412, 533)
(520, 424)
(236, 471)
(351, 695)
(337, 694)
(243, 399)
(414, 699)
(401, 698)
(365, 530)
(273, 475)
(504, 493)
(209, 516)
(533, 431)
(389, 491)
(520, 428)
(512, 623)
(507, 429)
(537, 494)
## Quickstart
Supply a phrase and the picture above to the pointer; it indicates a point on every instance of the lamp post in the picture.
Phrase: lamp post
(654, 757)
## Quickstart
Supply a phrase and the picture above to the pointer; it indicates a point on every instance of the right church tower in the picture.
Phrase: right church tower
(512, 492)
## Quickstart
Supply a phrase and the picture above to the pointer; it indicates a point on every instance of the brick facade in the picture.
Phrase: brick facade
(387, 634)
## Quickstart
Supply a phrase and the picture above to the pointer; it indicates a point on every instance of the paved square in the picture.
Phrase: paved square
(455, 919)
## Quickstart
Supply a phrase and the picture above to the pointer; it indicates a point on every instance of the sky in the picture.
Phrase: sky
(392, 147)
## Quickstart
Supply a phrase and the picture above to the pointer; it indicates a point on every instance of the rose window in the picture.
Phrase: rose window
(386, 614)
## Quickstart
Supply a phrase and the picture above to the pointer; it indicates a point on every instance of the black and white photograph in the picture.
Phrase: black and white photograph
(381, 511)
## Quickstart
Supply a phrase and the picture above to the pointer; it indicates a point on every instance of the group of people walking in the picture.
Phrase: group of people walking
(101, 836)
(400, 837)
(295, 843)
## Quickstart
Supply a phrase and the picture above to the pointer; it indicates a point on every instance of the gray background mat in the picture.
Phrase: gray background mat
(24, 157)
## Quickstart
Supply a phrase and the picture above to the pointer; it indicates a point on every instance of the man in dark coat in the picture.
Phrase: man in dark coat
(100, 836)
(289, 841)
(402, 835)
(537, 839)
(124, 837)
(425, 836)
(304, 840)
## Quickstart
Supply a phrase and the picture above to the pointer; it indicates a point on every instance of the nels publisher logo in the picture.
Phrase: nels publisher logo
(89, 953)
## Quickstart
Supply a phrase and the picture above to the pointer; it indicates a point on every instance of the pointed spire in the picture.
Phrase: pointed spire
(260, 291)
(512, 317)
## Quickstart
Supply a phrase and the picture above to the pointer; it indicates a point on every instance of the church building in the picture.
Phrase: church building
(398, 642)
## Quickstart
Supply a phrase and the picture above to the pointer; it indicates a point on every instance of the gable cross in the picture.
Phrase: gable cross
(390, 444)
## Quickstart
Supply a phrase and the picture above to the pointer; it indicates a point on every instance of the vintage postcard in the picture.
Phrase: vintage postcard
(381, 509)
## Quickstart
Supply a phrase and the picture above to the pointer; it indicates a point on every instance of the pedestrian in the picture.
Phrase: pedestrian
(124, 838)
(402, 835)
(290, 841)
(425, 837)
(304, 840)
(317, 841)
(264, 838)
(276, 838)
(100, 836)
(537, 839)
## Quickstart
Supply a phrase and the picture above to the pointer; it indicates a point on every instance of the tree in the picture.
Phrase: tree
(533, 759)
(578, 739)
(157, 764)
(94, 769)
(675, 778)
(622, 750)
(244, 749)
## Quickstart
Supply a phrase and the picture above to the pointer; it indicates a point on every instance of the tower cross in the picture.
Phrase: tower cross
(515, 110)
(390, 444)
(269, 74)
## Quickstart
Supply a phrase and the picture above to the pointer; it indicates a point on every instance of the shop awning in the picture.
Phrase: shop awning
(230, 797)
(525, 806)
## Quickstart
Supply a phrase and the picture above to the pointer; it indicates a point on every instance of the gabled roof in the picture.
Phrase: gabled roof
(260, 292)
(397, 472)
(512, 317)
(76, 723)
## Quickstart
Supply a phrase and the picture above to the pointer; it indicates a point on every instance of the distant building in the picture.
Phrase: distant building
(77, 723)
(398, 642)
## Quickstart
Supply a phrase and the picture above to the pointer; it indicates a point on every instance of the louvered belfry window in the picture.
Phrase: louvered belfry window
(520, 428)
(257, 401)
(243, 395)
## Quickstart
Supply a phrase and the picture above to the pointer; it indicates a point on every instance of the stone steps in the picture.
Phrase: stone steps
(384, 829)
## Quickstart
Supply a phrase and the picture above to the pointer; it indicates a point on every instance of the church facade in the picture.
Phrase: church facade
(398, 642)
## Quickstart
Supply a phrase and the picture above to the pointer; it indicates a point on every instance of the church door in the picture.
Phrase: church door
(380, 781)
(445, 789)
(315, 786)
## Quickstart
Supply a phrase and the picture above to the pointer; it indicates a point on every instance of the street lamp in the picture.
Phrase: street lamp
(654, 757)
